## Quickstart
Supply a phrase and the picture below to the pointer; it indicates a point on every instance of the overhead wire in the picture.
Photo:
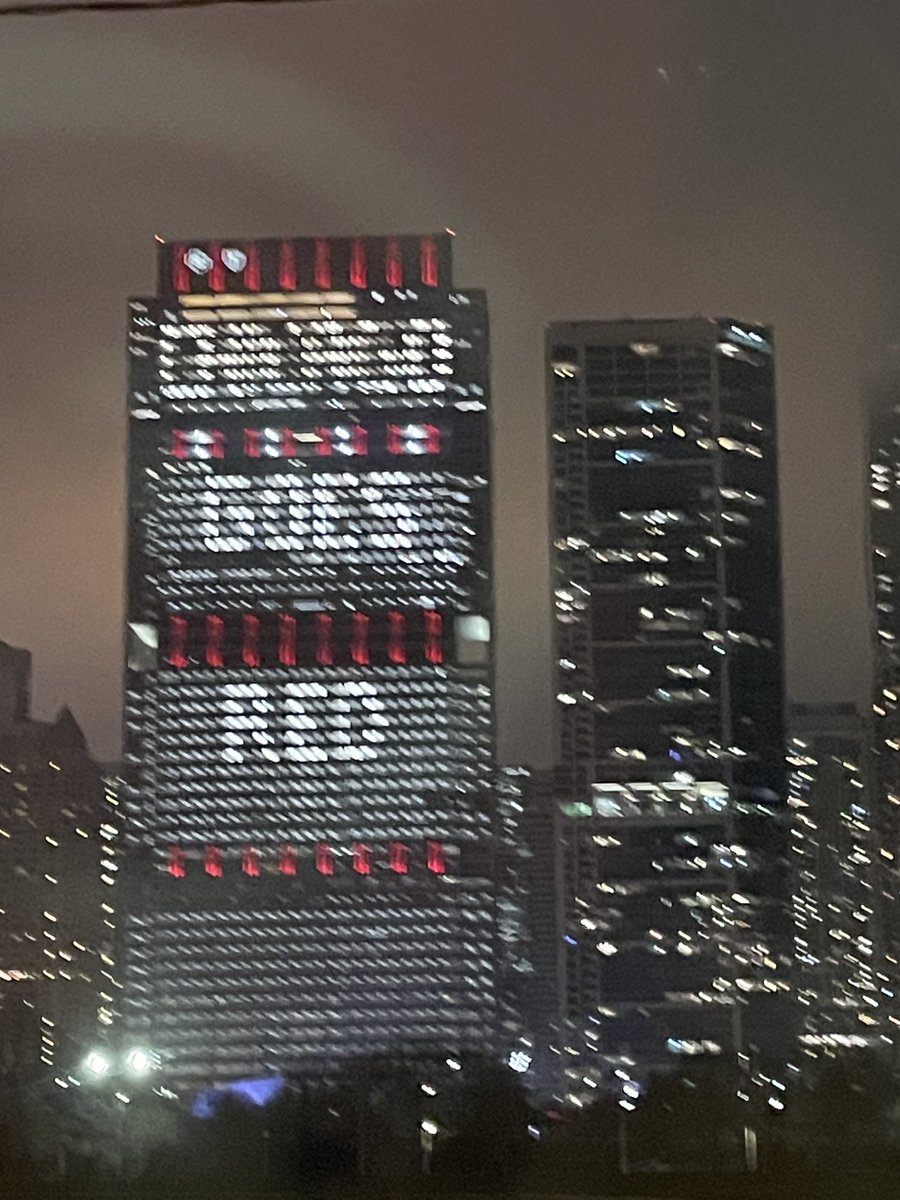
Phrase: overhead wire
(57, 7)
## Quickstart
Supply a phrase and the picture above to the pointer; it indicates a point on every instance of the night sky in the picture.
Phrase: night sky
(598, 159)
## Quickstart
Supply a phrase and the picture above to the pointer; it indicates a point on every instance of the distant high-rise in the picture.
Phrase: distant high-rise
(840, 975)
(884, 580)
(670, 684)
(315, 839)
(57, 885)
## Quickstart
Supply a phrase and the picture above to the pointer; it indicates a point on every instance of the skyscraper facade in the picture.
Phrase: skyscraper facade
(315, 839)
(669, 639)
(884, 549)
(842, 986)
(58, 905)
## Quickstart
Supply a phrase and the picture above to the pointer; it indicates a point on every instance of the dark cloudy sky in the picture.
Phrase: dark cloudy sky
(597, 157)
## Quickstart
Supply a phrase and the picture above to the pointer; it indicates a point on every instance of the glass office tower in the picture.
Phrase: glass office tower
(314, 842)
(670, 686)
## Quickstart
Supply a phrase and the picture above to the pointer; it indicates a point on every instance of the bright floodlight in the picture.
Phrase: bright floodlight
(138, 1060)
(429, 1127)
(97, 1063)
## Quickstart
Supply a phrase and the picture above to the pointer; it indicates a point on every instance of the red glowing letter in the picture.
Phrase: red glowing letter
(287, 640)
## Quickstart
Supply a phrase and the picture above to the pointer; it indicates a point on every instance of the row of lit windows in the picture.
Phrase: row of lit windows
(322, 638)
(317, 263)
(363, 859)
(412, 438)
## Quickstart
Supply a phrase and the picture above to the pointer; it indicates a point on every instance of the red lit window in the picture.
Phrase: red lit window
(359, 440)
(434, 636)
(178, 630)
(288, 443)
(359, 639)
(393, 263)
(362, 858)
(250, 861)
(435, 858)
(413, 439)
(250, 653)
(322, 268)
(176, 862)
(399, 857)
(181, 275)
(428, 261)
(324, 444)
(251, 443)
(287, 640)
(324, 859)
(215, 641)
(251, 271)
(324, 652)
(396, 637)
(212, 862)
(198, 443)
(287, 266)
(358, 263)
(217, 270)
(287, 860)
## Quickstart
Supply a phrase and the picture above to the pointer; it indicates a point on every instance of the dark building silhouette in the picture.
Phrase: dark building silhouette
(671, 714)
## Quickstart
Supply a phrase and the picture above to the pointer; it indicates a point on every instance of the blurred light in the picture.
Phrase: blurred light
(138, 1060)
(430, 1127)
(97, 1063)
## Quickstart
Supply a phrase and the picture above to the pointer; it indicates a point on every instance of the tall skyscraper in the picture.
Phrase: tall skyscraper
(842, 988)
(315, 841)
(668, 606)
(884, 548)
(58, 826)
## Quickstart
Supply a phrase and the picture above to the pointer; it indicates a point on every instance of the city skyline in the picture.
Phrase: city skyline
(702, 201)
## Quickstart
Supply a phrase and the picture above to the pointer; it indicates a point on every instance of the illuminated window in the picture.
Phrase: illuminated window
(393, 263)
(324, 859)
(287, 860)
(413, 439)
(322, 270)
(435, 858)
(178, 631)
(359, 639)
(287, 640)
(198, 443)
(362, 859)
(358, 263)
(215, 641)
(399, 857)
(250, 653)
(176, 865)
(428, 261)
(250, 861)
(212, 862)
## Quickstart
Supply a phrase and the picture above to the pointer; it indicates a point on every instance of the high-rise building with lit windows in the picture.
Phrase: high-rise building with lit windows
(315, 835)
(843, 990)
(884, 548)
(670, 688)
(58, 829)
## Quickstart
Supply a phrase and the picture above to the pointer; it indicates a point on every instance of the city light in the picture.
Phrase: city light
(139, 1061)
(98, 1063)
